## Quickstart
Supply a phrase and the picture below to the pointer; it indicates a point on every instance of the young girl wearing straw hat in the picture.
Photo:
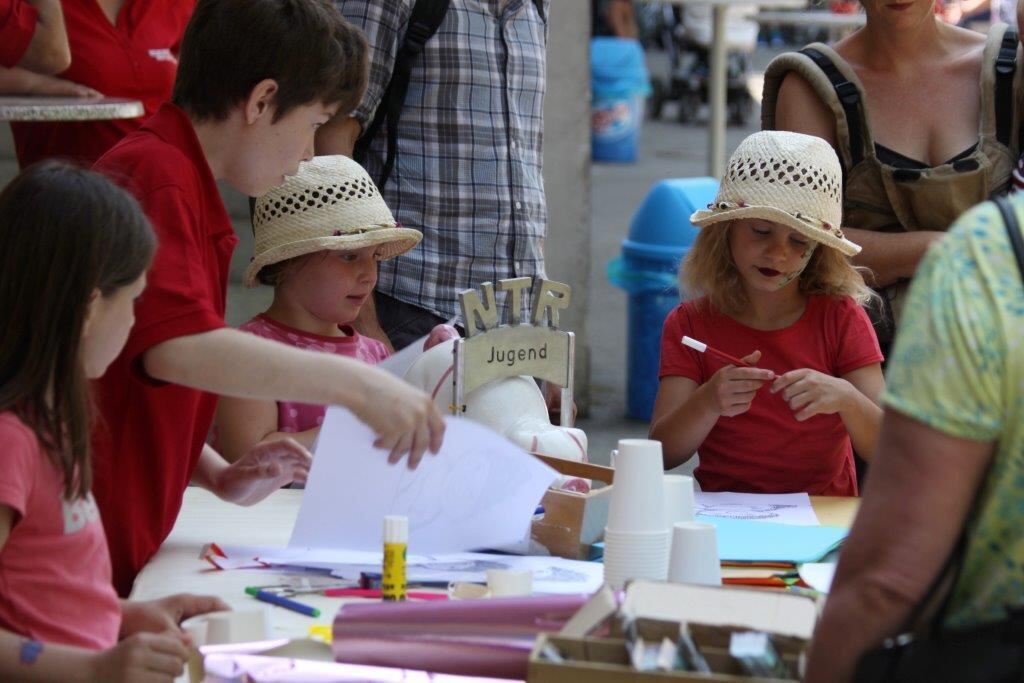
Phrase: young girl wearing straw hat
(318, 240)
(776, 289)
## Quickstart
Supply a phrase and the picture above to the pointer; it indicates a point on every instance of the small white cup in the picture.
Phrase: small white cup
(678, 499)
(509, 583)
(694, 554)
(222, 628)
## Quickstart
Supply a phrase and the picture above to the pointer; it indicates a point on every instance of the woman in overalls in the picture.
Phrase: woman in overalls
(924, 119)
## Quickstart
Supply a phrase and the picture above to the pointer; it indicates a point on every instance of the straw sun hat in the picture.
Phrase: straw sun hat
(331, 203)
(787, 178)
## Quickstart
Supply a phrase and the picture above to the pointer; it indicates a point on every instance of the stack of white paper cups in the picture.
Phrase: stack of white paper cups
(636, 540)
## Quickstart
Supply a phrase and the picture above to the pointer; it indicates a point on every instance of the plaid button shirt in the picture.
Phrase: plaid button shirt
(468, 164)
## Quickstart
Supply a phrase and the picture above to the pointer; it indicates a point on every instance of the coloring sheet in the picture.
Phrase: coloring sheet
(781, 508)
(479, 491)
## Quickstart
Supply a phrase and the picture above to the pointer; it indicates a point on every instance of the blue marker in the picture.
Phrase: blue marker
(275, 599)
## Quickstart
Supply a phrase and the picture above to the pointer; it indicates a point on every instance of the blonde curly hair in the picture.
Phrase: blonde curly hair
(708, 270)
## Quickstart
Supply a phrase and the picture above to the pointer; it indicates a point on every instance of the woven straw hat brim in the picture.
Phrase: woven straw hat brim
(706, 217)
(395, 242)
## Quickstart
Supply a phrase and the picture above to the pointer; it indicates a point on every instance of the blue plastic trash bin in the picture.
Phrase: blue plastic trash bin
(619, 85)
(659, 237)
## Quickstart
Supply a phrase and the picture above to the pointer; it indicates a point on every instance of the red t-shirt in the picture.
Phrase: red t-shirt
(136, 59)
(54, 567)
(151, 434)
(17, 26)
(765, 450)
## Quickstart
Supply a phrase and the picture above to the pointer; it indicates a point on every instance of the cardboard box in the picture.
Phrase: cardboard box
(605, 660)
(659, 610)
(573, 521)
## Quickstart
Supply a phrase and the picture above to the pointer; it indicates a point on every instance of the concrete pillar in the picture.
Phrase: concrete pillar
(567, 169)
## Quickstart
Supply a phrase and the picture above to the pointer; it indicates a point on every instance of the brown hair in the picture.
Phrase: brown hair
(708, 270)
(273, 274)
(64, 232)
(305, 45)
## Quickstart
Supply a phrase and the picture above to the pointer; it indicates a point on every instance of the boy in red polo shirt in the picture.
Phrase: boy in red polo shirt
(256, 79)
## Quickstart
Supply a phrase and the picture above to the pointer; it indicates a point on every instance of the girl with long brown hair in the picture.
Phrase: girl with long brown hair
(74, 250)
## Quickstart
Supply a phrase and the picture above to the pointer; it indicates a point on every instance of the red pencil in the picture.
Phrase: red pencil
(704, 348)
(376, 593)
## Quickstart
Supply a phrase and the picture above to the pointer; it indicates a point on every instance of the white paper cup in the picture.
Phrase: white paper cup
(638, 497)
(509, 583)
(694, 556)
(222, 628)
(678, 499)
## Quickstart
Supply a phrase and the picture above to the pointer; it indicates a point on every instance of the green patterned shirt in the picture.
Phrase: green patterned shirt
(958, 366)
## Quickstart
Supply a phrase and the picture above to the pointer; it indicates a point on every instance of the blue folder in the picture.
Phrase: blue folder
(745, 541)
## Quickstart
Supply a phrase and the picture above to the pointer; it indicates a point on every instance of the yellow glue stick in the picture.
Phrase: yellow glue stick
(396, 539)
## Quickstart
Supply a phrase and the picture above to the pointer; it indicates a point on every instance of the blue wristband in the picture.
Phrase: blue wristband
(30, 650)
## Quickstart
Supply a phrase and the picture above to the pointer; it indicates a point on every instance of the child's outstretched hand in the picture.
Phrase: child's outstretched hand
(166, 614)
(809, 392)
(268, 466)
(732, 389)
(404, 419)
(440, 333)
(142, 658)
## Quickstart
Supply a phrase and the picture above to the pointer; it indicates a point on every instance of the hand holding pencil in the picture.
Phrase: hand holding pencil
(731, 390)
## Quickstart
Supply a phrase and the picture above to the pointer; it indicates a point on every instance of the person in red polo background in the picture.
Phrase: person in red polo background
(120, 48)
(32, 36)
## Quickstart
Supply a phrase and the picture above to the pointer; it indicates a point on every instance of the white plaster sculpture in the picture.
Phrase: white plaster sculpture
(513, 407)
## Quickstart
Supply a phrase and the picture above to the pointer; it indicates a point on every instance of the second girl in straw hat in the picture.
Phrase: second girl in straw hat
(775, 288)
(318, 239)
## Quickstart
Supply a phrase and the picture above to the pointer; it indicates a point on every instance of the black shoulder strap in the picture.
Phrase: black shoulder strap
(849, 99)
(1005, 68)
(425, 19)
(1013, 230)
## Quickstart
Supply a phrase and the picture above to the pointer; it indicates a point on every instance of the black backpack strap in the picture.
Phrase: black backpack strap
(424, 21)
(849, 99)
(1013, 230)
(1005, 68)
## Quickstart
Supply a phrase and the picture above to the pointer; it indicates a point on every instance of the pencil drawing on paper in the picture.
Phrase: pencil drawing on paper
(742, 510)
(449, 489)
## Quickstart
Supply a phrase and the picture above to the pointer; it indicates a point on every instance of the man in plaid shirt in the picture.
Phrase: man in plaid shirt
(467, 170)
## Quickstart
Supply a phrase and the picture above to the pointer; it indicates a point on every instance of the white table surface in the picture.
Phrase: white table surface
(204, 518)
(18, 108)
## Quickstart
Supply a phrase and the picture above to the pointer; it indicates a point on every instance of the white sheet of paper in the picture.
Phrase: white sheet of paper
(399, 362)
(479, 491)
(781, 508)
(818, 575)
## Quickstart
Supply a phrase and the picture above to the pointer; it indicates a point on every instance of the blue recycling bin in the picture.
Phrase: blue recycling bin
(619, 85)
(659, 237)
